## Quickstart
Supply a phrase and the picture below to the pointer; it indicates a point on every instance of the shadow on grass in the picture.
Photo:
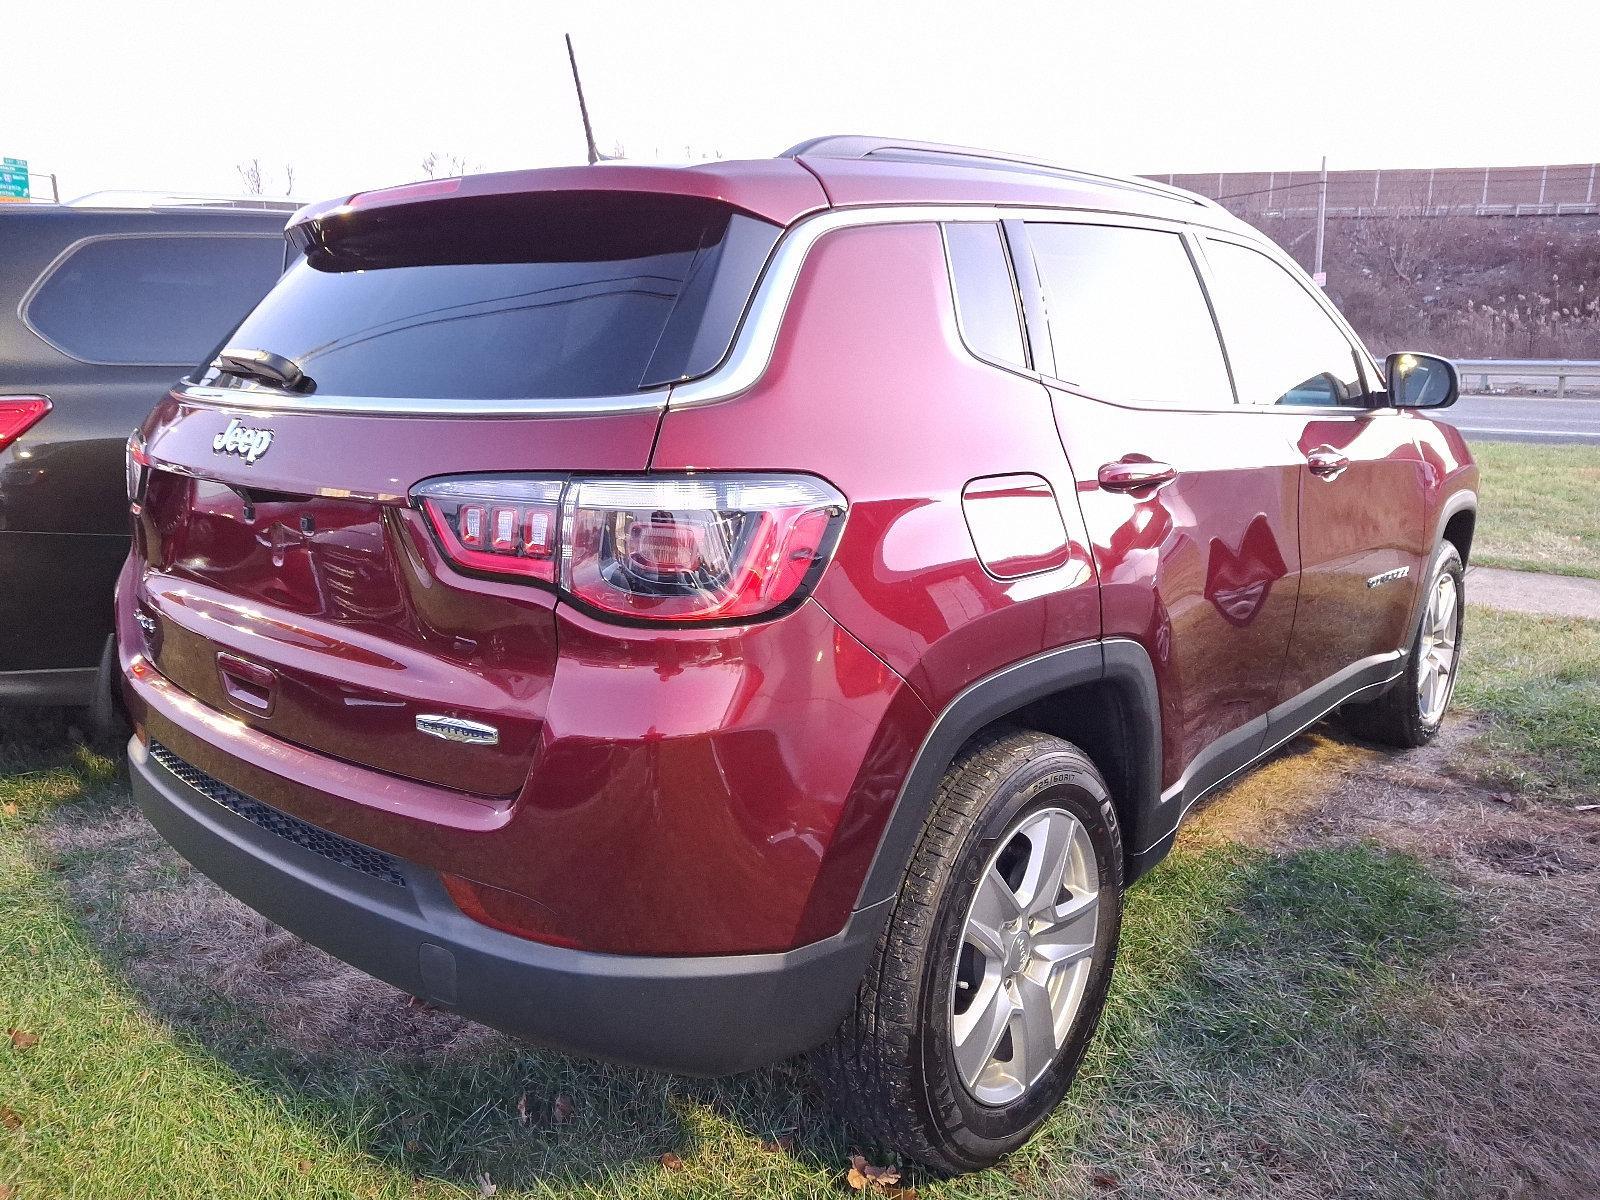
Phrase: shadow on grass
(1239, 969)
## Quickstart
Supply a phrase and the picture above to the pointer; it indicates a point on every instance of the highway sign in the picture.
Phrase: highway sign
(13, 179)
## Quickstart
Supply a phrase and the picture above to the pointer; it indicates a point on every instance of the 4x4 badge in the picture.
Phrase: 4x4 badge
(249, 444)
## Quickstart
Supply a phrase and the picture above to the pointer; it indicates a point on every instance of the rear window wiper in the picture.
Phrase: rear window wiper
(265, 367)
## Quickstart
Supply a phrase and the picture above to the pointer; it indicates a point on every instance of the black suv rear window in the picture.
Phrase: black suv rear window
(152, 299)
(488, 298)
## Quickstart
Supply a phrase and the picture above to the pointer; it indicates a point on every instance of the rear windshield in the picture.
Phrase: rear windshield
(489, 298)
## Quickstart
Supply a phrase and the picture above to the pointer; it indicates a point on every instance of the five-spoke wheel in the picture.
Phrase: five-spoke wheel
(1024, 958)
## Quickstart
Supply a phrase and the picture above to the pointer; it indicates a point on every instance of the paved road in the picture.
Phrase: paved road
(1526, 419)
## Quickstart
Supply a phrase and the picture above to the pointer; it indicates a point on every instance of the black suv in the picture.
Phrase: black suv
(100, 309)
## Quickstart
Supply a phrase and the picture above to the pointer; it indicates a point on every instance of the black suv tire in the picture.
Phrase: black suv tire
(1396, 717)
(892, 1069)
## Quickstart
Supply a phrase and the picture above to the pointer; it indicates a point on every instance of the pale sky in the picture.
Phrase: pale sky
(354, 92)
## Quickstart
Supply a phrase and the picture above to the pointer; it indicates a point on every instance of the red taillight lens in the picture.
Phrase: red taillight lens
(18, 414)
(662, 548)
(500, 525)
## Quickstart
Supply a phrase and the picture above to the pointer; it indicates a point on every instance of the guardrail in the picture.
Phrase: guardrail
(1559, 369)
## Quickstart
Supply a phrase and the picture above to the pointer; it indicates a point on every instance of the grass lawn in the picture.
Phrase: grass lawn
(1539, 509)
(1537, 682)
(1274, 1027)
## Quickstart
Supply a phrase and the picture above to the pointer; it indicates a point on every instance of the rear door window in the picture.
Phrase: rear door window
(157, 300)
(1285, 349)
(552, 295)
(1127, 315)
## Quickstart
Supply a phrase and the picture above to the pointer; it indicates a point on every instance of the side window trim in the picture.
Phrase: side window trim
(1036, 312)
(1202, 269)
(1366, 366)
(1030, 288)
(61, 260)
(1025, 368)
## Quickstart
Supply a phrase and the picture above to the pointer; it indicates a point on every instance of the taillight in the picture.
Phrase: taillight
(18, 414)
(505, 525)
(658, 548)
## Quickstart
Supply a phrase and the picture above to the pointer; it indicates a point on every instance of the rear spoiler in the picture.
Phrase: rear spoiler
(776, 190)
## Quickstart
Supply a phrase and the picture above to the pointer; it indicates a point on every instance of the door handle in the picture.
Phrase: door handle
(1129, 474)
(1326, 462)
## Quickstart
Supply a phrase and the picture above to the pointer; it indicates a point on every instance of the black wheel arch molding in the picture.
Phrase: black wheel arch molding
(1120, 663)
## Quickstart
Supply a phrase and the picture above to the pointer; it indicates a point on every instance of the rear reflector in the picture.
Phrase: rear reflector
(18, 414)
(690, 548)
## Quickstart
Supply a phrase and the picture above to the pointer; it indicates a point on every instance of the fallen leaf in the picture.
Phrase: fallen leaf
(1105, 1180)
(8, 808)
(782, 1144)
(304, 1165)
(523, 1118)
(22, 1041)
(863, 1175)
(561, 1110)
(412, 1145)
(9, 1118)
(486, 1185)
(671, 1161)
(5, 1191)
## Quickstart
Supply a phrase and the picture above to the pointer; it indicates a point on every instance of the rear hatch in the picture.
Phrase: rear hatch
(288, 580)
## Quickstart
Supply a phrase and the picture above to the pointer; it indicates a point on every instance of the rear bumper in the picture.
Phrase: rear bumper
(707, 1015)
(68, 687)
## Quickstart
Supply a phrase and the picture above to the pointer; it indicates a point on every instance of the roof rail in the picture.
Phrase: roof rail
(903, 150)
(129, 198)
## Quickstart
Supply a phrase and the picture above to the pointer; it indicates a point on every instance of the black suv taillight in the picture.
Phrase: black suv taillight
(724, 547)
(18, 414)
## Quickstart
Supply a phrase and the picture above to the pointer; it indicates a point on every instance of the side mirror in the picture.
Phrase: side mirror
(1421, 381)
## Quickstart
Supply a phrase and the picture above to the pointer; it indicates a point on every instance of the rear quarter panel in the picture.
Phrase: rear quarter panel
(871, 387)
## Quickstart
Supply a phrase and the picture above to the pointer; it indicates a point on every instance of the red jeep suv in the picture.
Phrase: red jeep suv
(695, 615)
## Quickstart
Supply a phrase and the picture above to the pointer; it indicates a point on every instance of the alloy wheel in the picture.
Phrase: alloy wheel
(1025, 954)
(1438, 649)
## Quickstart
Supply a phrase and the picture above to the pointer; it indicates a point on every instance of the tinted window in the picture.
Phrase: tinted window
(1284, 348)
(1127, 316)
(986, 300)
(558, 295)
(153, 301)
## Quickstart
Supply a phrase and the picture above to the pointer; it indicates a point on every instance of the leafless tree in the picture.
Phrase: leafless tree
(250, 177)
(437, 166)
(288, 179)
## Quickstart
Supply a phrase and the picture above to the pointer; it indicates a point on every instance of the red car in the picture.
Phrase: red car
(693, 615)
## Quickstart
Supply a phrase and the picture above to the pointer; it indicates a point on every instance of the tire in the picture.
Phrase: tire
(105, 719)
(1401, 716)
(893, 1070)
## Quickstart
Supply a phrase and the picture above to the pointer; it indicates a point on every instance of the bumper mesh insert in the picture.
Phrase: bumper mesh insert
(370, 862)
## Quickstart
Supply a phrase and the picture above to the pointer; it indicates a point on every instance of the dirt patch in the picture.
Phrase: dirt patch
(198, 951)
(1523, 856)
(1495, 1066)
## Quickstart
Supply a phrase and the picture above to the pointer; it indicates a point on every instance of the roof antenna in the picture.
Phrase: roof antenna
(583, 109)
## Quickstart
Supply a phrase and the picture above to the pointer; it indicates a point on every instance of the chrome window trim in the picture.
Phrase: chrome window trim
(258, 399)
(754, 343)
(757, 338)
(60, 260)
